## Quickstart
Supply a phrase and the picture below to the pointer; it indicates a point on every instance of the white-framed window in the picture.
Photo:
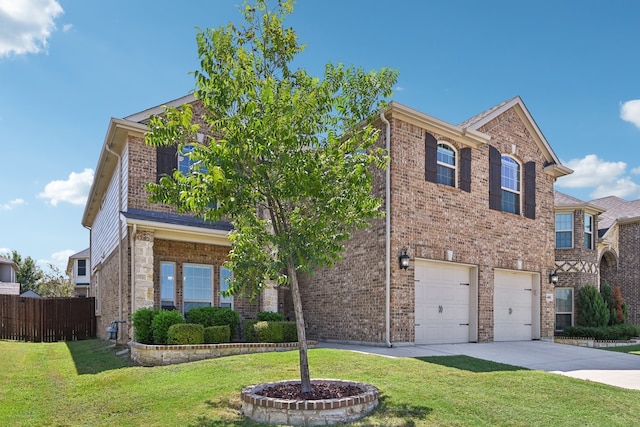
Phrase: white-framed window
(184, 159)
(588, 231)
(225, 276)
(564, 230)
(510, 183)
(564, 308)
(82, 267)
(197, 286)
(446, 165)
(168, 285)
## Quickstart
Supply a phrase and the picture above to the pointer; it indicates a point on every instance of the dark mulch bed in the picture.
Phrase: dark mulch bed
(319, 391)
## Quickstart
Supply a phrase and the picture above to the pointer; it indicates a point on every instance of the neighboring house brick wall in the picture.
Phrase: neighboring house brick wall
(629, 268)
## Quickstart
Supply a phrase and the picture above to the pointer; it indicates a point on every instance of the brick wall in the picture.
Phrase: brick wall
(628, 277)
(347, 303)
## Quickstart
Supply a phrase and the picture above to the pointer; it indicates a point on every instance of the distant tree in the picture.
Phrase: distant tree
(592, 310)
(29, 274)
(54, 283)
(292, 166)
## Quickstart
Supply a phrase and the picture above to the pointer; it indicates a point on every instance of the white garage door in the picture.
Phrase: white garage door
(513, 306)
(442, 295)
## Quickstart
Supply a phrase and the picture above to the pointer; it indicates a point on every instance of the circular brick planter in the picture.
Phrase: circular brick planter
(308, 412)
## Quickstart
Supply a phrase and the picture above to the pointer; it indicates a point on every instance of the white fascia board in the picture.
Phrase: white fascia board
(468, 137)
(182, 233)
(144, 115)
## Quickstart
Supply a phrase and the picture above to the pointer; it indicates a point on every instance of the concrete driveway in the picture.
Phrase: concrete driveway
(608, 367)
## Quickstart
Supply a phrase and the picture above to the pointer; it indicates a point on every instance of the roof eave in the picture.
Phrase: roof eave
(181, 232)
(466, 136)
(115, 139)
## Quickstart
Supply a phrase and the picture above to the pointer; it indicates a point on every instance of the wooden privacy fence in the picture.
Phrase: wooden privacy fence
(46, 319)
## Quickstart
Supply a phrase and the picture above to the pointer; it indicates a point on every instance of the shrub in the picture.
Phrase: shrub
(616, 332)
(592, 310)
(142, 323)
(215, 316)
(162, 320)
(270, 316)
(185, 333)
(217, 334)
(619, 310)
(262, 331)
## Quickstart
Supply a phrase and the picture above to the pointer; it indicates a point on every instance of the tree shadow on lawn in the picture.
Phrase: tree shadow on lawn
(470, 364)
(94, 356)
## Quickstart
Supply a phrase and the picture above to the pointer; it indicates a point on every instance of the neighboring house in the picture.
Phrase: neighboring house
(619, 249)
(472, 206)
(8, 282)
(30, 294)
(578, 253)
(144, 254)
(78, 273)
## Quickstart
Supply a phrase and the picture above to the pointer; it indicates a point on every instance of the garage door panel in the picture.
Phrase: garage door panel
(513, 307)
(441, 304)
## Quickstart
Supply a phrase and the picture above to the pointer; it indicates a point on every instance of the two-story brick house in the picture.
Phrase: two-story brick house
(472, 206)
(144, 254)
(577, 253)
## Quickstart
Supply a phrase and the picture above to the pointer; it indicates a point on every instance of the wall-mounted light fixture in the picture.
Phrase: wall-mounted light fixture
(404, 259)
(553, 278)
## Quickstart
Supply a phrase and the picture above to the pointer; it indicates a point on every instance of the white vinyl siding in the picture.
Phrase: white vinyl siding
(104, 234)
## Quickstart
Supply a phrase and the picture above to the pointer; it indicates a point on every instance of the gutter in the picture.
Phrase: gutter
(387, 261)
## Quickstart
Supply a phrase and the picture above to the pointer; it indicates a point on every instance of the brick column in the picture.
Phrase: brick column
(143, 270)
(269, 297)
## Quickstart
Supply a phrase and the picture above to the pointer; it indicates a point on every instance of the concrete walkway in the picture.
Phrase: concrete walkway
(608, 367)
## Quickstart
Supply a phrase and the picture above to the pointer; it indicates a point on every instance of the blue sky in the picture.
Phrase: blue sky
(68, 66)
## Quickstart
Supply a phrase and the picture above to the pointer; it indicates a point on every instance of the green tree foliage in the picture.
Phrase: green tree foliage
(29, 274)
(54, 283)
(591, 307)
(291, 166)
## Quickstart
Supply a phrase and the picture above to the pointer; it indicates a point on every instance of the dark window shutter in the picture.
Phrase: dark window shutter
(495, 179)
(530, 190)
(465, 170)
(430, 158)
(166, 160)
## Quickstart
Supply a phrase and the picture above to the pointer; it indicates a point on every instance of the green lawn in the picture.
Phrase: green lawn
(631, 349)
(84, 384)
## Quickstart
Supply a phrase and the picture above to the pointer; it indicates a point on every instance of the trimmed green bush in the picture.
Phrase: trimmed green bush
(215, 316)
(261, 331)
(270, 316)
(592, 310)
(217, 334)
(142, 320)
(613, 333)
(162, 320)
(185, 333)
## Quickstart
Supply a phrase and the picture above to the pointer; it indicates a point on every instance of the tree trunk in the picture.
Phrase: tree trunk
(305, 377)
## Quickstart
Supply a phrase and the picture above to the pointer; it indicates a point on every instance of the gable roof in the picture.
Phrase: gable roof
(552, 163)
(4, 260)
(564, 201)
(617, 210)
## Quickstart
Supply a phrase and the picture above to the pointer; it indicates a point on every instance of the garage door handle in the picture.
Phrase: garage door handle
(527, 324)
(464, 324)
(417, 324)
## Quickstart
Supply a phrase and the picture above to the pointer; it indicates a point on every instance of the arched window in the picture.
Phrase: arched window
(510, 183)
(446, 165)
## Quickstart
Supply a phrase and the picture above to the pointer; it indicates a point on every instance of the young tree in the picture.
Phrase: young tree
(592, 310)
(29, 274)
(291, 166)
(54, 283)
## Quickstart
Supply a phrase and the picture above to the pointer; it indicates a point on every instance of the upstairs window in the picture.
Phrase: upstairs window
(588, 232)
(564, 231)
(184, 159)
(446, 165)
(82, 267)
(510, 184)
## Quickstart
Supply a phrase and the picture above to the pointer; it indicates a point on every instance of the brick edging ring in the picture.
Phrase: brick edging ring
(309, 412)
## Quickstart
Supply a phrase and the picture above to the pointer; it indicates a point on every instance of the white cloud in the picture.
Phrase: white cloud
(67, 27)
(591, 171)
(26, 25)
(12, 204)
(630, 112)
(74, 190)
(61, 258)
(623, 188)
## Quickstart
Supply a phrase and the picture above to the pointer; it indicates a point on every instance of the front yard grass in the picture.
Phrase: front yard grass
(84, 384)
(630, 349)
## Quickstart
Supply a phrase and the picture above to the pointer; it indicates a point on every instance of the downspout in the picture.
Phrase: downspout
(132, 244)
(119, 232)
(387, 261)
